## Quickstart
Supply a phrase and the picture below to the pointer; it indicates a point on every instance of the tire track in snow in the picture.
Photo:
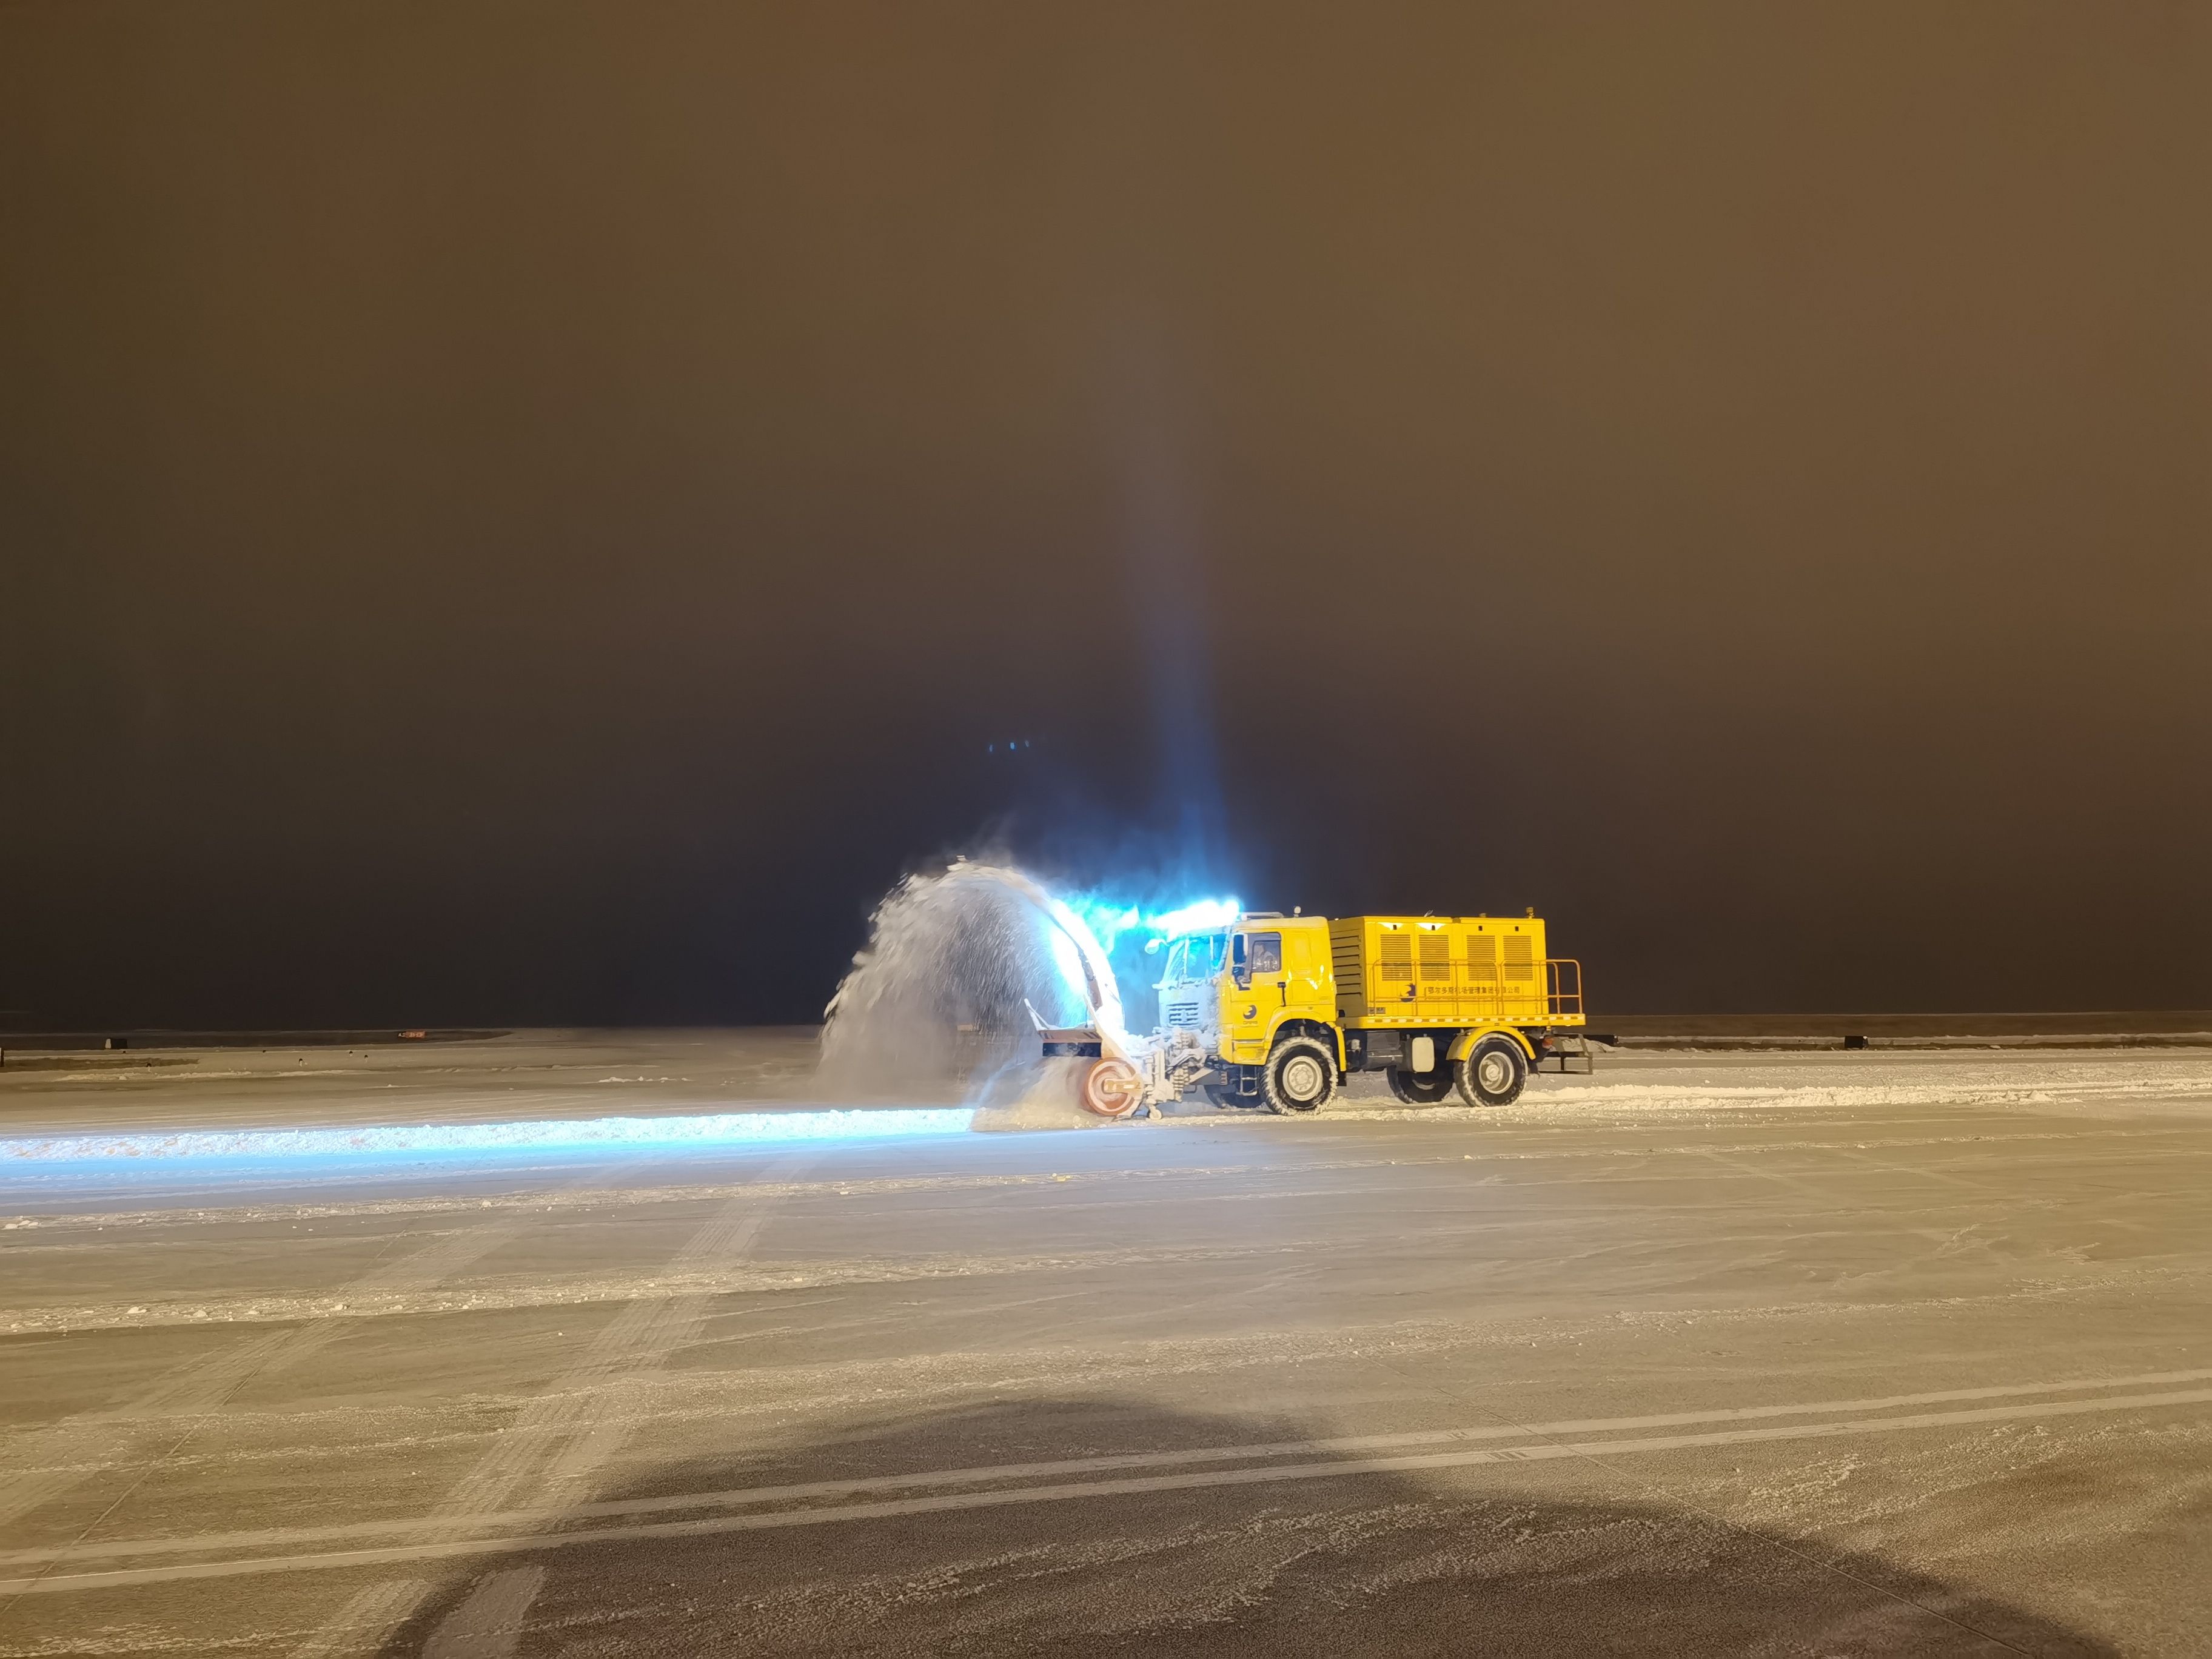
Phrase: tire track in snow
(1331, 1468)
(1405, 1440)
(44, 1463)
(565, 1433)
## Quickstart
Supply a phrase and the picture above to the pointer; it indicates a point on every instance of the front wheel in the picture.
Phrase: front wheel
(1300, 1076)
(1420, 1088)
(1492, 1072)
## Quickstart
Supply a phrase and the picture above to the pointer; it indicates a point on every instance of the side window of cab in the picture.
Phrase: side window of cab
(1267, 953)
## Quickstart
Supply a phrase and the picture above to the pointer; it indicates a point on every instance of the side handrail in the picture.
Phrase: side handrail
(1563, 984)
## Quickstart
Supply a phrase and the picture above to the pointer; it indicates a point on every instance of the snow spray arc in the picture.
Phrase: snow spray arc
(957, 963)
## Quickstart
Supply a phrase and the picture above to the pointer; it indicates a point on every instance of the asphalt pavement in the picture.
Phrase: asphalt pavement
(1812, 1355)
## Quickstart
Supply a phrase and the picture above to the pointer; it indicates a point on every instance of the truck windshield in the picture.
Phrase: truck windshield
(1197, 958)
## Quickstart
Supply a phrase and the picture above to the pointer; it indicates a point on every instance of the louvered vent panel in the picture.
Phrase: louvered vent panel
(1435, 956)
(1481, 959)
(1520, 957)
(1395, 960)
(1344, 957)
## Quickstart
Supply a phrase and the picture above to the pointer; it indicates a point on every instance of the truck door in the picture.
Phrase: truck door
(1268, 974)
(1312, 992)
(1252, 993)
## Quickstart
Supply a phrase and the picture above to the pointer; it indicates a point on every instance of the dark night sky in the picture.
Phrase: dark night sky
(532, 513)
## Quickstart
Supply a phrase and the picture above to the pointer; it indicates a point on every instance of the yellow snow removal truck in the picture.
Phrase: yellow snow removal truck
(1274, 1010)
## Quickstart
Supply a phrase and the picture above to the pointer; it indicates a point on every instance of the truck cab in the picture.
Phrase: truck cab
(1238, 996)
(1277, 976)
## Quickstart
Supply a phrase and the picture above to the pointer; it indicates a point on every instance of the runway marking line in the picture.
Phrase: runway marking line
(1528, 1451)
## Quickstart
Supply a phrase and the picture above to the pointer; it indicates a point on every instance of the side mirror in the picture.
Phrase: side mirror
(1240, 965)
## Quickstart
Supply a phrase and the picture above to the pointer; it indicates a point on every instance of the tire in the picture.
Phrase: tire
(1420, 1088)
(1492, 1073)
(1222, 1097)
(1299, 1077)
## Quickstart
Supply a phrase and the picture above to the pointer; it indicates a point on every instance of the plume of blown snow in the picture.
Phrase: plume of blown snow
(938, 1004)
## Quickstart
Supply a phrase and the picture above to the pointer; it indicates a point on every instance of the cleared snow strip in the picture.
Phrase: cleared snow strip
(551, 1135)
(1328, 1470)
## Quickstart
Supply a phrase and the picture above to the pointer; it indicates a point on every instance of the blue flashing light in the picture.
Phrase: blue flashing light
(1205, 916)
(1108, 919)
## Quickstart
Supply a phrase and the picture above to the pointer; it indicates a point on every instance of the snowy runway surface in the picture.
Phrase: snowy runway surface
(1830, 1353)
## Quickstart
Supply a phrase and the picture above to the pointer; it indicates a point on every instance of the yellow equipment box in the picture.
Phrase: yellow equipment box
(1450, 971)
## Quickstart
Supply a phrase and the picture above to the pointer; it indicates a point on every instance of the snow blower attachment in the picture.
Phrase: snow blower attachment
(1275, 1011)
(1111, 1084)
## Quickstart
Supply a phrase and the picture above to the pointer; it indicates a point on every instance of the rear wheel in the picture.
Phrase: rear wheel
(1300, 1076)
(1492, 1072)
(1420, 1088)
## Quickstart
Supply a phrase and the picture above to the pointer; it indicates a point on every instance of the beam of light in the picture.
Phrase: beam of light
(1084, 963)
(1109, 919)
(710, 1130)
(1067, 956)
(1205, 916)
